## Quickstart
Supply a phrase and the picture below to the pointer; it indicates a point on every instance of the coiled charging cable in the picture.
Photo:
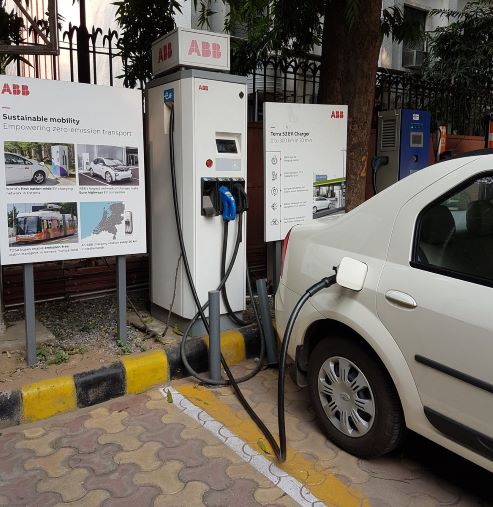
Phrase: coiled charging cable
(279, 449)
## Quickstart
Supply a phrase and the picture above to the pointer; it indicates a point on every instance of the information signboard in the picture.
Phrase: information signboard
(305, 164)
(71, 172)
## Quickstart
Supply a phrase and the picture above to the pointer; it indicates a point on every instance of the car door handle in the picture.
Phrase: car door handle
(401, 299)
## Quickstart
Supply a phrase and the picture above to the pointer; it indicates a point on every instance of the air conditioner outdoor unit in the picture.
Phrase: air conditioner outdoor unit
(413, 58)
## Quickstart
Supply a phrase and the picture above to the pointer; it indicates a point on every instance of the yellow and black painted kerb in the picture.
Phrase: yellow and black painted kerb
(133, 374)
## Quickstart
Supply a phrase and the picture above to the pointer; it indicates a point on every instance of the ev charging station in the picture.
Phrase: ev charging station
(59, 160)
(403, 145)
(197, 120)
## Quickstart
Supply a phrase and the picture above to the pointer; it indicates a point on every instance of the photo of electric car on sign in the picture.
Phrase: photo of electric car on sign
(329, 196)
(36, 223)
(104, 165)
(36, 163)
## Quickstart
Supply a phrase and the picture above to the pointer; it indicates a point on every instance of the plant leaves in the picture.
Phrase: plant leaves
(262, 446)
(169, 396)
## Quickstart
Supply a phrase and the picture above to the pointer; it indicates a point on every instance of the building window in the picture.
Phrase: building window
(413, 53)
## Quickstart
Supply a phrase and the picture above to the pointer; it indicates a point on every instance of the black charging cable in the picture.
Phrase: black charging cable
(279, 450)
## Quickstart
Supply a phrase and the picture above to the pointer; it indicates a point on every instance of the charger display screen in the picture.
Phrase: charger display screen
(226, 146)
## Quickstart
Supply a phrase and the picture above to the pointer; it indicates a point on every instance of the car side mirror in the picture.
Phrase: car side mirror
(351, 274)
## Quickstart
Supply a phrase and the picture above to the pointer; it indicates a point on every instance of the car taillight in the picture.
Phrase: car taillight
(285, 248)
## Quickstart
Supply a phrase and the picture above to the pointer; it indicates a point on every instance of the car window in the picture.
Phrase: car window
(454, 235)
(14, 159)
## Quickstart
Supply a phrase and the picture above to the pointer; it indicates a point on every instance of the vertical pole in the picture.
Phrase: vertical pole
(121, 288)
(29, 314)
(83, 65)
(3, 327)
(276, 263)
(214, 336)
(270, 339)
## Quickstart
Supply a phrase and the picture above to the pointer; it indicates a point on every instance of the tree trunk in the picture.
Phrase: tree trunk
(347, 76)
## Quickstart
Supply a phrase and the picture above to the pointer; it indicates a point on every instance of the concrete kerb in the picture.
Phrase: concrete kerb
(133, 374)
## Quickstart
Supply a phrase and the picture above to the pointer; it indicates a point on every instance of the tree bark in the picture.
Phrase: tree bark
(347, 76)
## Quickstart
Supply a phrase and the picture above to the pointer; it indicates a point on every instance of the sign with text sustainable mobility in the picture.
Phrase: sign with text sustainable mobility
(71, 171)
(305, 164)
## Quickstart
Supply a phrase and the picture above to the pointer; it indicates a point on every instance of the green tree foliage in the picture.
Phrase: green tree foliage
(141, 23)
(11, 27)
(462, 52)
(11, 216)
(291, 27)
(68, 207)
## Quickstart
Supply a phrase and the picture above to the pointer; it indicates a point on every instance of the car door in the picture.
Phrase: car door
(19, 169)
(98, 165)
(435, 297)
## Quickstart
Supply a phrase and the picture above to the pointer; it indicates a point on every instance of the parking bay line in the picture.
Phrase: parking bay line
(298, 477)
(94, 179)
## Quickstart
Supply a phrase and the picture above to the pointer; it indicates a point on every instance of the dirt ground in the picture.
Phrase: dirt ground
(85, 338)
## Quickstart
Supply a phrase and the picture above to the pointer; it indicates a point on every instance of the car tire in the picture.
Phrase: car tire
(347, 359)
(108, 177)
(314, 209)
(39, 177)
(91, 172)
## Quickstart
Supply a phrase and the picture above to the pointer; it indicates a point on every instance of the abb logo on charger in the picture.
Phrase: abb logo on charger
(190, 48)
(15, 89)
(207, 49)
(165, 52)
(339, 115)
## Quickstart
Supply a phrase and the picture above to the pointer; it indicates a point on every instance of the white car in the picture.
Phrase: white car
(414, 347)
(111, 169)
(22, 170)
(320, 203)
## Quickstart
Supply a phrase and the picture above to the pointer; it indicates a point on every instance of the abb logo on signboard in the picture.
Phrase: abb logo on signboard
(15, 89)
(207, 49)
(337, 114)
(165, 52)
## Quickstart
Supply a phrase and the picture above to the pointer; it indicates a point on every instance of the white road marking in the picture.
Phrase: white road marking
(291, 486)
(94, 179)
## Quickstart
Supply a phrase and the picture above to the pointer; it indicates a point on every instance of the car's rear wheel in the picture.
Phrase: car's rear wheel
(354, 398)
(108, 177)
(91, 172)
(314, 209)
(39, 177)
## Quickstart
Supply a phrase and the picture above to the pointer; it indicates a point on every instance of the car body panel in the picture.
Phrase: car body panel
(118, 172)
(380, 233)
(451, 323)
(23, 170)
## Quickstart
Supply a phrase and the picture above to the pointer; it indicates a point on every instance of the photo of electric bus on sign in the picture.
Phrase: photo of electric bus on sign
(42, 223)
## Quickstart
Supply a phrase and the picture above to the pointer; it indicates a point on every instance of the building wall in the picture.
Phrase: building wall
(391, 52)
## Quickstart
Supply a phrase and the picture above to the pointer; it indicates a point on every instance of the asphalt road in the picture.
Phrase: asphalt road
(58, 241)
(325, 212)
(50, 181)
(86, 180)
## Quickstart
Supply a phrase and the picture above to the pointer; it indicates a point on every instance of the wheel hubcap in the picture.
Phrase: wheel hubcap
(346, 396)
(38, 178)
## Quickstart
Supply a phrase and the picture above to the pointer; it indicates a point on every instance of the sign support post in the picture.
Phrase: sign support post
(121, 288)
(29, 314)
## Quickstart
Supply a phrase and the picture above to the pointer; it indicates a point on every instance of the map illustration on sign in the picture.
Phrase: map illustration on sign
(102, 218)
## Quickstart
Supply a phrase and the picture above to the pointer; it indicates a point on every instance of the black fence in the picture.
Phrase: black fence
(282, 80)
(105, 63)
(297, 80)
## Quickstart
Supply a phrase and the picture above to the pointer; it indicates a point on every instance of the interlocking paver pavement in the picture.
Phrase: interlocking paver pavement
(420, 474)
(143, 451)
(137, 451)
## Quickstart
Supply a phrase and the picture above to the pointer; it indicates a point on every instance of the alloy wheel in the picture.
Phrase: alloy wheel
(346, 396)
